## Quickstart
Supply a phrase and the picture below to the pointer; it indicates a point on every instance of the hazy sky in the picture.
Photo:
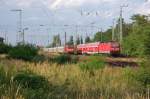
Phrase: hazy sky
(54, 14)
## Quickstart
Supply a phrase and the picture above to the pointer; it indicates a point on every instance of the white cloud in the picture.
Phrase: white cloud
(54, 4)
(144, 8)
(24, 3)
(76, 3)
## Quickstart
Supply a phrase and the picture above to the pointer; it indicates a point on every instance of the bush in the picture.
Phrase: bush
(142, 76)
(40, 59)
(26, 84)
(30, 80)
(65, 58)
(25, 52)
(93, 63)
(4, 48)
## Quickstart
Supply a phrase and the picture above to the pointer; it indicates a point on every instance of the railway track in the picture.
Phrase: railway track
(118, 61)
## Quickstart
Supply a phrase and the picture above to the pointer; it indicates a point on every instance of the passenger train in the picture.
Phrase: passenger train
(88, 48)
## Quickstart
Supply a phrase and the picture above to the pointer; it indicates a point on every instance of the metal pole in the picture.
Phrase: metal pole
(92, 28)
(65, 34)
(121, 31)
(23, 36)
(121, 24)
(21, 25)
(101, 35)
(76, 33)
(20, 22)
(113, 30)
(65, 38)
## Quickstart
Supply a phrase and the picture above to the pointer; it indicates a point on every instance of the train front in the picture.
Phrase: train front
(115, 48)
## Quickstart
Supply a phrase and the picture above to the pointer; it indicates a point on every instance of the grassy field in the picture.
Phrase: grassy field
(49, 80)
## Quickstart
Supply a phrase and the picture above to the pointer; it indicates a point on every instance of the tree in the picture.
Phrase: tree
(140, 19)
(137, 42)
(78, 40)
(71, 41)
(87, 39)
(81, 40)
(103, 36)
(56, 41)
(147, 41)
(97, 37)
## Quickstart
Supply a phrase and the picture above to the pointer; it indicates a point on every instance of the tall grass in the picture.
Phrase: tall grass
(67, 81)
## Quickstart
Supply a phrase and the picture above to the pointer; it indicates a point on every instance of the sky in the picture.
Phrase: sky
(46, 18)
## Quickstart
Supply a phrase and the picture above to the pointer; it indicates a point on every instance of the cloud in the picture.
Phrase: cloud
(24, 3)
(76, 3)
(144, 8)
(56, 4)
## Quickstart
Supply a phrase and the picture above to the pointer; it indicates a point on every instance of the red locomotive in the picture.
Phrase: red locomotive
(94, 48)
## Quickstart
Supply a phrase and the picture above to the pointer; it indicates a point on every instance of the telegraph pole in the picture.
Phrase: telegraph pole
(113, 30)
(6, 38)
(76, 33)
(92, 28)
(23, 40)
(65, 38)
(121, 32)
(65, 34)
(101, 35)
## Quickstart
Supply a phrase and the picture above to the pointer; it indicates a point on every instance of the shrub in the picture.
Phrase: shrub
(92, 63)
(4, 48)
(30, 80)
(25, 52)
(40, 58)
(139, 78)
(142, 76)
(33, 86)
(65, 58)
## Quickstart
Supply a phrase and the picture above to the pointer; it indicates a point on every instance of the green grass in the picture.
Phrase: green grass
(26, 80)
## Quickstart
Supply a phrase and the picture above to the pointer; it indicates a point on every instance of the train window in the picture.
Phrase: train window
(114, 45)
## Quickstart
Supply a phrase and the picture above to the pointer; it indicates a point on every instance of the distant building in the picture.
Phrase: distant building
(1, 40)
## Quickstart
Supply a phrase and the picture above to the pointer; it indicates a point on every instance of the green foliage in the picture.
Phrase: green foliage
(65, 58)
(136, 43)
(103, 36)
(62, 59)
(40, 59)
(133, 45)
(87, 39)
(140, 19)
(142, 76)
(30, 80)
(71, 41)
(78, 40)
(93, 63)
(56, 41)
(81, 40)
(147, 41)
(23, 83)
(25, 52)
(4, 48)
